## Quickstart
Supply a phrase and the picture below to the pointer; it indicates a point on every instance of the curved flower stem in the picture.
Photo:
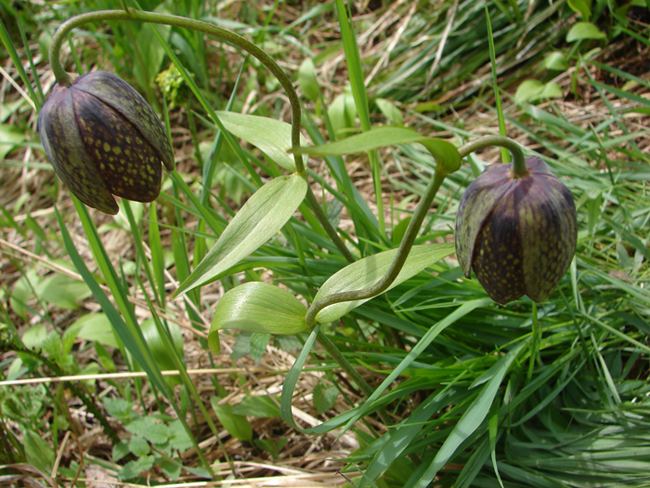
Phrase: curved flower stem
(519, 161)
(64, 79)
(398, 262)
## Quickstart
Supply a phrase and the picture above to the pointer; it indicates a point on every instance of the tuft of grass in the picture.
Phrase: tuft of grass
(553, 394)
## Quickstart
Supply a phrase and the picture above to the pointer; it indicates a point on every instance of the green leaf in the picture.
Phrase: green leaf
(324, 397)
(38, 452)
(158, 348)
(259, 219)
(258, 345)
(390, 111)
(119, 408)
(63, 291)
(139, 446)
(366, 272)
(34, 336)
(271, 136)
(134, 468)
(257, 406)
(120, 450)
(473, 417)
(555, 61)
(96, 327)
(257, 307)
(581, 7)
(584, 30)
(178, 438)
(148, 428)
(171, 469)
(236, 425)
(366, 141)
(10, 136)
(307, 80)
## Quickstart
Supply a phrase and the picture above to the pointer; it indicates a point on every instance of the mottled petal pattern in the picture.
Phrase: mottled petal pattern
(518, 234)
(103, 139)
(66, 151)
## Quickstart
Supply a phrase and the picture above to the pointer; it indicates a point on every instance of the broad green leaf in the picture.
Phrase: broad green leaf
(258, 345)
(390, 111)
(257, 406)
(38, 452)
(366, 272)
(529, 90)
(134, 468)
(307, 80)
(236, 425)
(96, 327)
(260, 308)
(366, 141)
(271, 136)
(342, 113)
(159, 351)
(259, 219)
(148, 428)
(63, 291)
(555, 61)
(139, 446)
(324, 397)
(582, 7)
(473, 417)
(584, 30)
(178, 438)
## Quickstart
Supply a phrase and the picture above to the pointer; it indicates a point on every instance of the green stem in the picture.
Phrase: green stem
(331, 231)
(64, 79)
(398, 262)
(354, 375)
(519, 161)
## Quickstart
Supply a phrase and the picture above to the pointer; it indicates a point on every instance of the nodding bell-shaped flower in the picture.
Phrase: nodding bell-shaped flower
(104, 139)
(518, 233)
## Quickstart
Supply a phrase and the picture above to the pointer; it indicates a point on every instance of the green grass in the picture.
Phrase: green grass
(465, 392)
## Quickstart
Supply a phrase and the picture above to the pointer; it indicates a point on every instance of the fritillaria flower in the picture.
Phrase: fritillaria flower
(104, 139)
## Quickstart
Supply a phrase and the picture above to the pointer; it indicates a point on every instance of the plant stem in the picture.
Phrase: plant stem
(331, 231)
(64, 79)
(519, 161)
(354, 375)
(397, 264)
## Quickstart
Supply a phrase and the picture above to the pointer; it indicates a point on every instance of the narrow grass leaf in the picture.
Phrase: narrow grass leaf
(366, 272)
(471, 420)
(352, 416)
(291, 379)
(261, 217)
(272, 137)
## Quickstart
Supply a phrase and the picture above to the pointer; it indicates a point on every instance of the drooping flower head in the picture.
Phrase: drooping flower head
(104, 139)
(518, 233)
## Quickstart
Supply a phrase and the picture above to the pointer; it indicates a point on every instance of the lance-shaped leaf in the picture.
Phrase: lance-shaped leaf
(366, 272)
(257, 307)
(445, 153)
(272, 137)
(259, 219)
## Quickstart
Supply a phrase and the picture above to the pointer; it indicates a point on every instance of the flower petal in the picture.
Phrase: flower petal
(117, 93)
(126, 162)
(477, 203)
(64, 147)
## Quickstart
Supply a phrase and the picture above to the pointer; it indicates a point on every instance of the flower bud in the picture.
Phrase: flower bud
(518, 233)
(104, 139)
